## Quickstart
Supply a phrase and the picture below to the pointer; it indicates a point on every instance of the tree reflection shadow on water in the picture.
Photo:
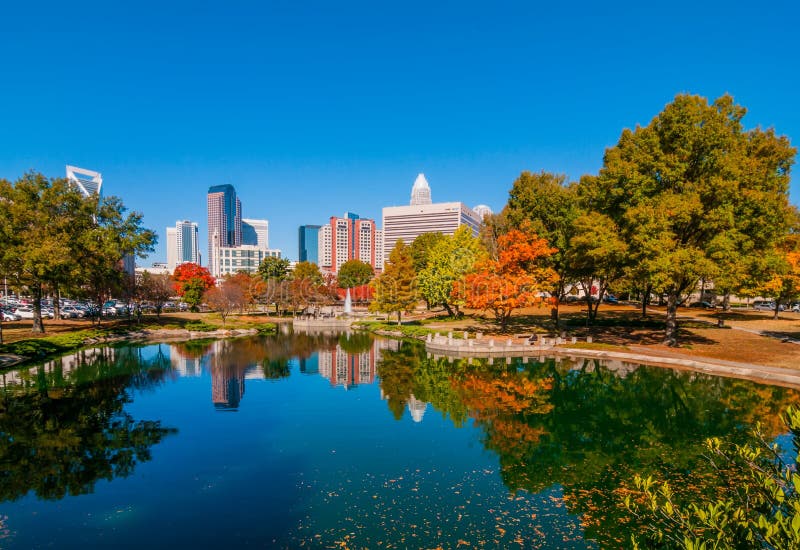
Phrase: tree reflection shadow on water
(60, 436)
(586, 427)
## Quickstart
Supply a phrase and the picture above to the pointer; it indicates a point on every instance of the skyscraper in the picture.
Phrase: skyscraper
(255, 233)
(224, 218)
(88, 182)
(182, 244)
(308, 239)
(172, 249)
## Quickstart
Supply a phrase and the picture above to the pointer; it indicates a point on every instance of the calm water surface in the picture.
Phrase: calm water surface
(345, 441)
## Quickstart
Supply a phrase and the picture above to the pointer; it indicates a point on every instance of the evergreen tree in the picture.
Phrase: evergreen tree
(395, 289)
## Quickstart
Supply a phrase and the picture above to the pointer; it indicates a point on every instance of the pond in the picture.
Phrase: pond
(332, 441)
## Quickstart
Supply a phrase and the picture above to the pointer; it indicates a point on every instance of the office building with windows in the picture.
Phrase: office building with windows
(224, 218)
(308, 244)
(247, 258)
(255, 233)
(347, 238)
(182, 244)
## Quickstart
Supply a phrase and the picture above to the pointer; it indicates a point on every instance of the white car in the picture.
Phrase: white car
(24, 312)
(8, 316)
(764, 306)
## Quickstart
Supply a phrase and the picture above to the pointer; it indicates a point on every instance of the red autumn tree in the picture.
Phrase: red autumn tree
(516, 279)
(192, 282)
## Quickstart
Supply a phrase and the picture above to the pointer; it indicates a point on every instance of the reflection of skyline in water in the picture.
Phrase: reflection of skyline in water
(581, 426)
(348, 370)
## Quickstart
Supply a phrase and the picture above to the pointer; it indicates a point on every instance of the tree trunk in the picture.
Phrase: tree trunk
(38, 325)
(554, 314)
(671, 330)
(449, 309)
(1, 328)
(56, 302)
(726, 302)
(399, 313)
(646, 299)
(777, 309)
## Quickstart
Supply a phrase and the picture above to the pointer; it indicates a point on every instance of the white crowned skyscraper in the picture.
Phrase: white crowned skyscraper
(421, 192)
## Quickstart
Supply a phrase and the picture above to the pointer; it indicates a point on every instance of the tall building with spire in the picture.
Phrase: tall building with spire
(421, 191)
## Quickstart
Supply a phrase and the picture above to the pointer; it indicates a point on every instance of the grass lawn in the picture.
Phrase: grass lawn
(21, 330)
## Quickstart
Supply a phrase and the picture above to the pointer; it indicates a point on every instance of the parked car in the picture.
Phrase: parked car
(704, 304)
(70, 312)
(9, 315)
(611, 299)
(25, 312)
(764, 305)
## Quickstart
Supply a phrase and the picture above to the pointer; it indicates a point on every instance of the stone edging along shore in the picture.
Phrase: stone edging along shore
(9, 360)
(747, 371)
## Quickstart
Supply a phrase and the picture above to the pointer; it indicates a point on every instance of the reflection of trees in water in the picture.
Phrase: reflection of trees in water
(64, 433)
(356, 342)
(584, 426)
(193, 349)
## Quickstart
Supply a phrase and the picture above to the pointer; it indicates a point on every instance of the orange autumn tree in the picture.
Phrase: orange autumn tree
(516, 279)
(506, 407)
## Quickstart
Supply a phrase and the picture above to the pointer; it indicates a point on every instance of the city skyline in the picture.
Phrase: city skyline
(305, 127)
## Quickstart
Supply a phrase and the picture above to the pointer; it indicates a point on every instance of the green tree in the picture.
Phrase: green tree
(421, 248)
(597, 256)
(394, 289)
(274, 269)
(53, 236)
(450, 259)
(308, 271)
(115, 234)
(551, 206)
(354, 273)
(274, 272)
(688, 179)
(36, 215)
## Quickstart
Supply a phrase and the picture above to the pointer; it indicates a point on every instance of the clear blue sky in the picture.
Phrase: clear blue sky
(314, 108)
